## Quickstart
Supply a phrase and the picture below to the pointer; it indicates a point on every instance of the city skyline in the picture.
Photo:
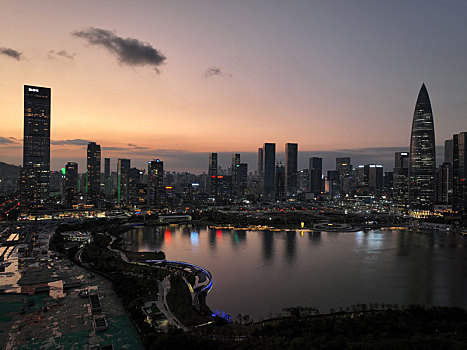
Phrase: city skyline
(236, 88)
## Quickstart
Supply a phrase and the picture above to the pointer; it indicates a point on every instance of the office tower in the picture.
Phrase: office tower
(137, 191)
(71, 184)
(333, 182)
(123, 171)
(106, 167)
(344, 169)
(422, 157)
(291, 165)
(388, 183)
(108, 181)
(260, 165)
(269, 168)
(448, 151)
(375, 178)
(400, 192)
(459, 169)
(280, 180)
(444, 180)
(93, 172)
(234, 173)
(315, 170)
(35, 173)
(212, 174)
(156, 183)
(242, 178)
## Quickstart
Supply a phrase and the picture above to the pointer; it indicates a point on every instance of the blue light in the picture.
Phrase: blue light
(194, 238)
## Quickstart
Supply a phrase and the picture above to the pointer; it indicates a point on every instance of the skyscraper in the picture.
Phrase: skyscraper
(422, 157)
(212, 174)
(71, 184)
(459, 167)
(316, 175)
(93, 172)
(260, 165)
(344, 168)
(123, 171)
(269, 168)
(235, 169)
(291, 164)
(156, 182)
(400, 192)
(35, 176)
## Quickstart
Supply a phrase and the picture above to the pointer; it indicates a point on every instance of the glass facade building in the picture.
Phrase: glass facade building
(422, 156)
(35, 173)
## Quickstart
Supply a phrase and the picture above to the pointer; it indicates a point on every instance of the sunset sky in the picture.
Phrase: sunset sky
(178, 79)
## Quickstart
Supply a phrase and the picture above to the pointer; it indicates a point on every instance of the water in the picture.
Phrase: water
(259, 272)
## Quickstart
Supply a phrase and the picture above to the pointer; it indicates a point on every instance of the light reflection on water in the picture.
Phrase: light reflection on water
(261, 272)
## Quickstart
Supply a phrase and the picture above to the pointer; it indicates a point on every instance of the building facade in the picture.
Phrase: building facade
(422, 157)
(35, 173)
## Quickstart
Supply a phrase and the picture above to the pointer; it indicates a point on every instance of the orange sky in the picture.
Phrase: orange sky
(305, 73)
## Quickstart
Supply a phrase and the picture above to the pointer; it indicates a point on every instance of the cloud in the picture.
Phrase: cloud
(136, 147)
(129, 51)
(17, 55)
(215, 71)
(8, 140)
(74, 142)
(61, 53)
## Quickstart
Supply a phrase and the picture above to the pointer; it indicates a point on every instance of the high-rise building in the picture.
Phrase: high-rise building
(106, 167)
(260, 165)
(93, 187)
(459, 167)
(108, 181)
(35, 173)
(400, 192)
(333, 182)
(280, 180)
(235, 177)
(269, 168)
(422, 157)
(315, 170)
(156, 182)
(344, 168)
(212, 174)
(448, 151)
(123, 171)
(71, 184)
(444, 179)
(242, 178)
(291, 165)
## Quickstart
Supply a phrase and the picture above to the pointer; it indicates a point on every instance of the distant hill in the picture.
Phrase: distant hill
(8, 171)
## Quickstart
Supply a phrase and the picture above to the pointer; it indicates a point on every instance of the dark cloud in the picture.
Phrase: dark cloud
(74, 142)
(17, 55)
(215, 71)
(129, 51)
(136, 147)
(8, 140)
(61, 53)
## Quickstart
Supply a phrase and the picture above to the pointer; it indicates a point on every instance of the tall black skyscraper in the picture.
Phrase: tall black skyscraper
(422, 157)
(156, 182)
(269, 168)
(35, 173)
(212, 174)
(123, 172)
(235, 170)
(71, 184)
(93, 172)
(291, 165)
(260, 164)
(344, 168)
(316, 175)
(459, 167)
(400, 192)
